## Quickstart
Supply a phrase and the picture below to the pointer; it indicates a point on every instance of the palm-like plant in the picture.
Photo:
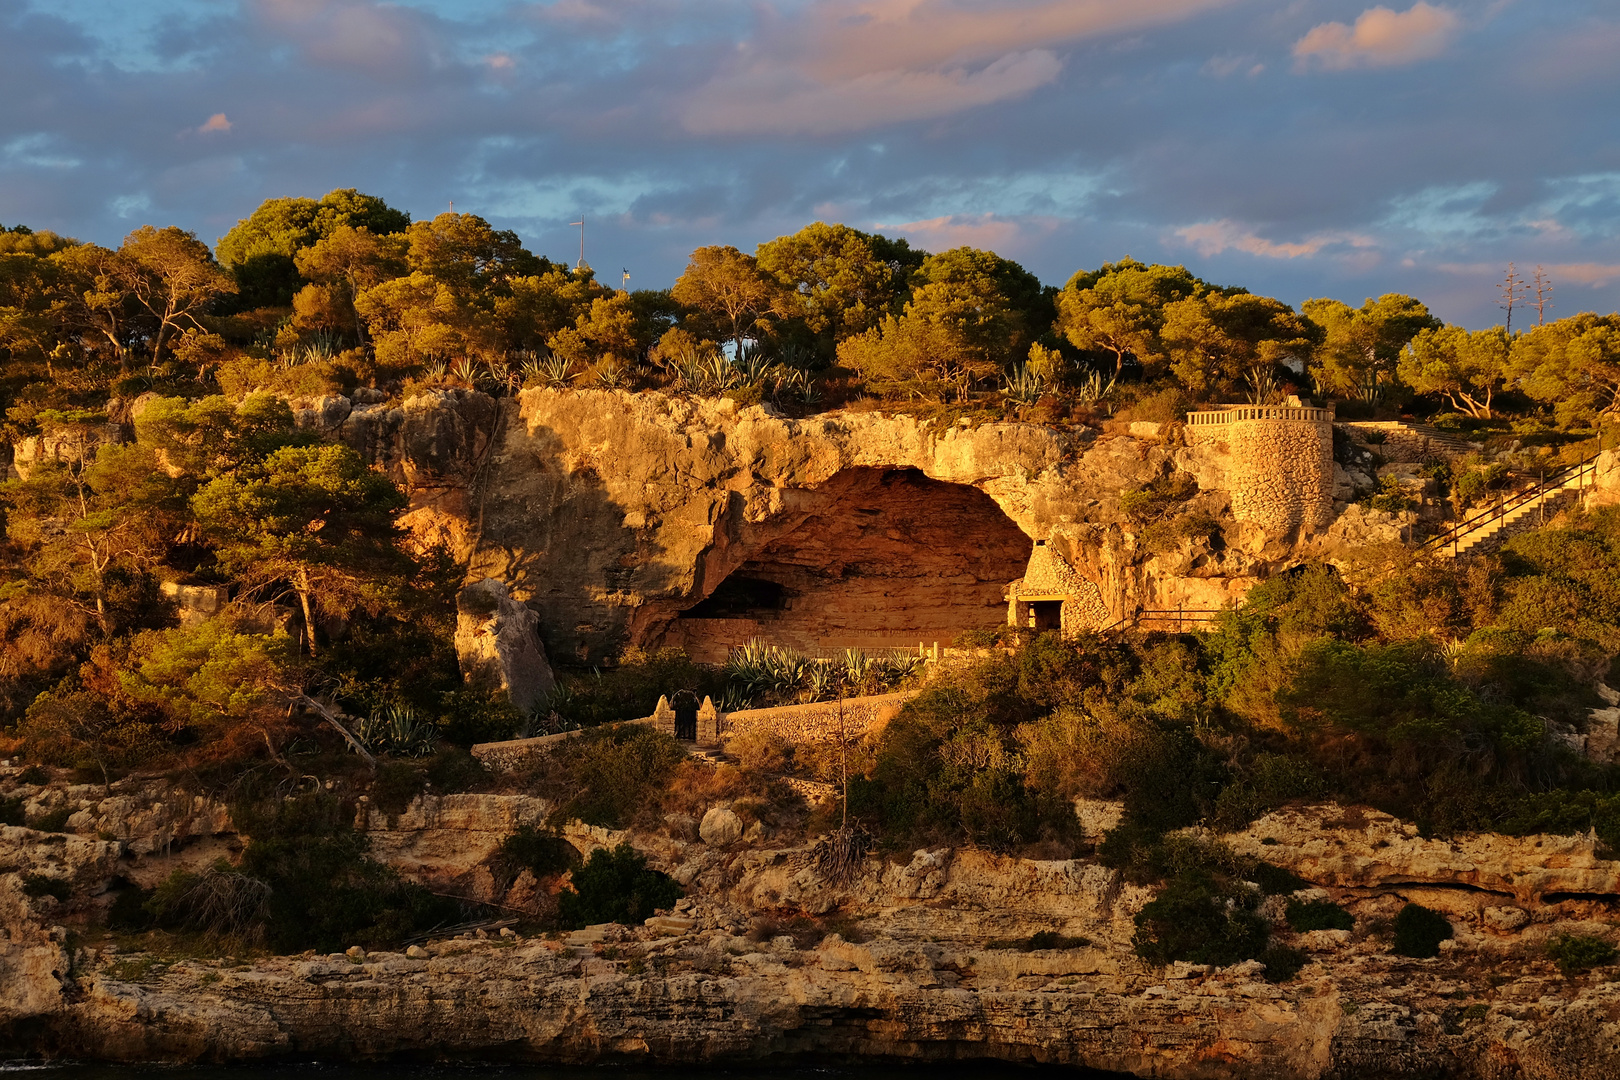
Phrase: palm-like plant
(1022, 386)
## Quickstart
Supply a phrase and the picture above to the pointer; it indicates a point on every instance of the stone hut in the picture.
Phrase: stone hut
(1052, 595)
(1280, 472)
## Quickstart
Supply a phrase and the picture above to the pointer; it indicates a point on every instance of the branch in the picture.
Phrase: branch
(331, 718)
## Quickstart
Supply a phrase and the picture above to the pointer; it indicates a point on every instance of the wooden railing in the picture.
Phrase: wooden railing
(1548, 487)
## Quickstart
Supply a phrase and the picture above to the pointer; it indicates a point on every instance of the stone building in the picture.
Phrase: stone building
(1052, 595)
(1280, 471)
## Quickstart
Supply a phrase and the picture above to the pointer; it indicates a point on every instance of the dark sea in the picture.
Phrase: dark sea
(406, 1070)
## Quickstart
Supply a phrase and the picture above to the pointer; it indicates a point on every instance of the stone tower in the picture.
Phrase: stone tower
(1280, 470)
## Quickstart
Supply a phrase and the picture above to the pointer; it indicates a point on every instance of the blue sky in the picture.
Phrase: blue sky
(1311, 148)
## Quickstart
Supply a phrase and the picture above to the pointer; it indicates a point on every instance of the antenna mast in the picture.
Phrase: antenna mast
(582, 264)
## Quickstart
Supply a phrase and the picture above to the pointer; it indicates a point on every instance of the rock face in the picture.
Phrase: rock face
(924, 982)
(657, 519)
(498, 645)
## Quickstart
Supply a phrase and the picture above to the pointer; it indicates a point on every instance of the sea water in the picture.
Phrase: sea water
(404, 1069)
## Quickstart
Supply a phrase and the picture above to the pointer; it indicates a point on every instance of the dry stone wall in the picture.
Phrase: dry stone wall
(1280, 472)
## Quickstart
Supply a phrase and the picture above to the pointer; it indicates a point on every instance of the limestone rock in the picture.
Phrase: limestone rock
(720, 827)
(498, 644)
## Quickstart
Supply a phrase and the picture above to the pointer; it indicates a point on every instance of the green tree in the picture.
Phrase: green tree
(1213, 339)
(463, 252)
(1574, 364)
(113, 506)
(728, 289)
(171, 274)
(833, 278)
(312, 520)
(1361, 347)
(260, 249)
(1119, 309)
(348, 261)
(1465, 368)
(967, 319)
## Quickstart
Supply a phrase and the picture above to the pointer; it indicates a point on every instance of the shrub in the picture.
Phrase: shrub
(1419, 931)
(542, 854)
(1196, 921)
(325, 893)
(218, 900)
(606, 775)
(1275, 881)
(45, 885)
(454, 770)
(1042, 939)
(615, 886)
(34, 775)
(1576, 953)
(1307, 915)
(11, 811)
(128, 912)
(52, 821)
(396, 784)
(1282, 963)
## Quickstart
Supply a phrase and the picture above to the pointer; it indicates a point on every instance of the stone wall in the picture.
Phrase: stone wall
(818, 722)
(1280, 474)
(1405, 444)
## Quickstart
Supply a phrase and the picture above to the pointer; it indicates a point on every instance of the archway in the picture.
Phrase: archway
(875, 558)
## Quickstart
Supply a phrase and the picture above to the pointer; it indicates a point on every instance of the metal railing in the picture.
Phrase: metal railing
(1548, 487)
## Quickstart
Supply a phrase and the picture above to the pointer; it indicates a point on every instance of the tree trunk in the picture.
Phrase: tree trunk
(309, 616)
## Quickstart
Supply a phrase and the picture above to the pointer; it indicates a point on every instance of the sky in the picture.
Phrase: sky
(1299, 149)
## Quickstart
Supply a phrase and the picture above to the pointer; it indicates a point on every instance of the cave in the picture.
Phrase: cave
(873, 558)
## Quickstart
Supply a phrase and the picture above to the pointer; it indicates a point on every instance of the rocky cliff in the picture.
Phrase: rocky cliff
(917, 966)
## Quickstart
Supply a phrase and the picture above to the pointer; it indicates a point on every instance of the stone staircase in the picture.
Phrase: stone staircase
(1519, 513)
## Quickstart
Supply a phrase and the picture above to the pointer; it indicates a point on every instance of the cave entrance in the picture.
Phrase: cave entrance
(872, 558)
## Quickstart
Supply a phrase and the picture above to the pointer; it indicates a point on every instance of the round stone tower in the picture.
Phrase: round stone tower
(1280, 462)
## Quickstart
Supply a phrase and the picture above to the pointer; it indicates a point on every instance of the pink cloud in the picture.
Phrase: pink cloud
(1380, 38)
(1595, 275)
(215, 123)
(1213, 237)
(849, 65)
(986, 231)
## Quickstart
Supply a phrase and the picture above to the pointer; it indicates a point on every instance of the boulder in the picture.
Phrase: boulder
(498, 644)
(720, 827)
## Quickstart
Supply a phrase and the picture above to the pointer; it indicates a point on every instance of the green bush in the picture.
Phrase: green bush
(1282, 963)
(1307, 915)
(606, 775)
(34, 776)
(395, 785)
(1275, 881)
(217, 900)
(1576, 953)
(45, 885)
(128, 912)
(325, 893)
(1419, 931)
(53, 821)
(543, 854)
(615, 886)
(453, 771)
(11, 811)
(1195, 920)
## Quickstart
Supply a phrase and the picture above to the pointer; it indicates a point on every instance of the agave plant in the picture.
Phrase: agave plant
(718, 373)
(1092, 389)
(609, 374)
(752, 366)
(859, 668)
(735, 699)
(1262, 383)
(821, 680)
(689, 369)
(465, 370)
(1023, 386)
(399, 729)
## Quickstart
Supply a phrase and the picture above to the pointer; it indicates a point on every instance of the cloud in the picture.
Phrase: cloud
(1214, 237)
(1380, 38)
(1595, 275)
(986, 231)
(215, 124)
(785, 104)
(853, 65)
